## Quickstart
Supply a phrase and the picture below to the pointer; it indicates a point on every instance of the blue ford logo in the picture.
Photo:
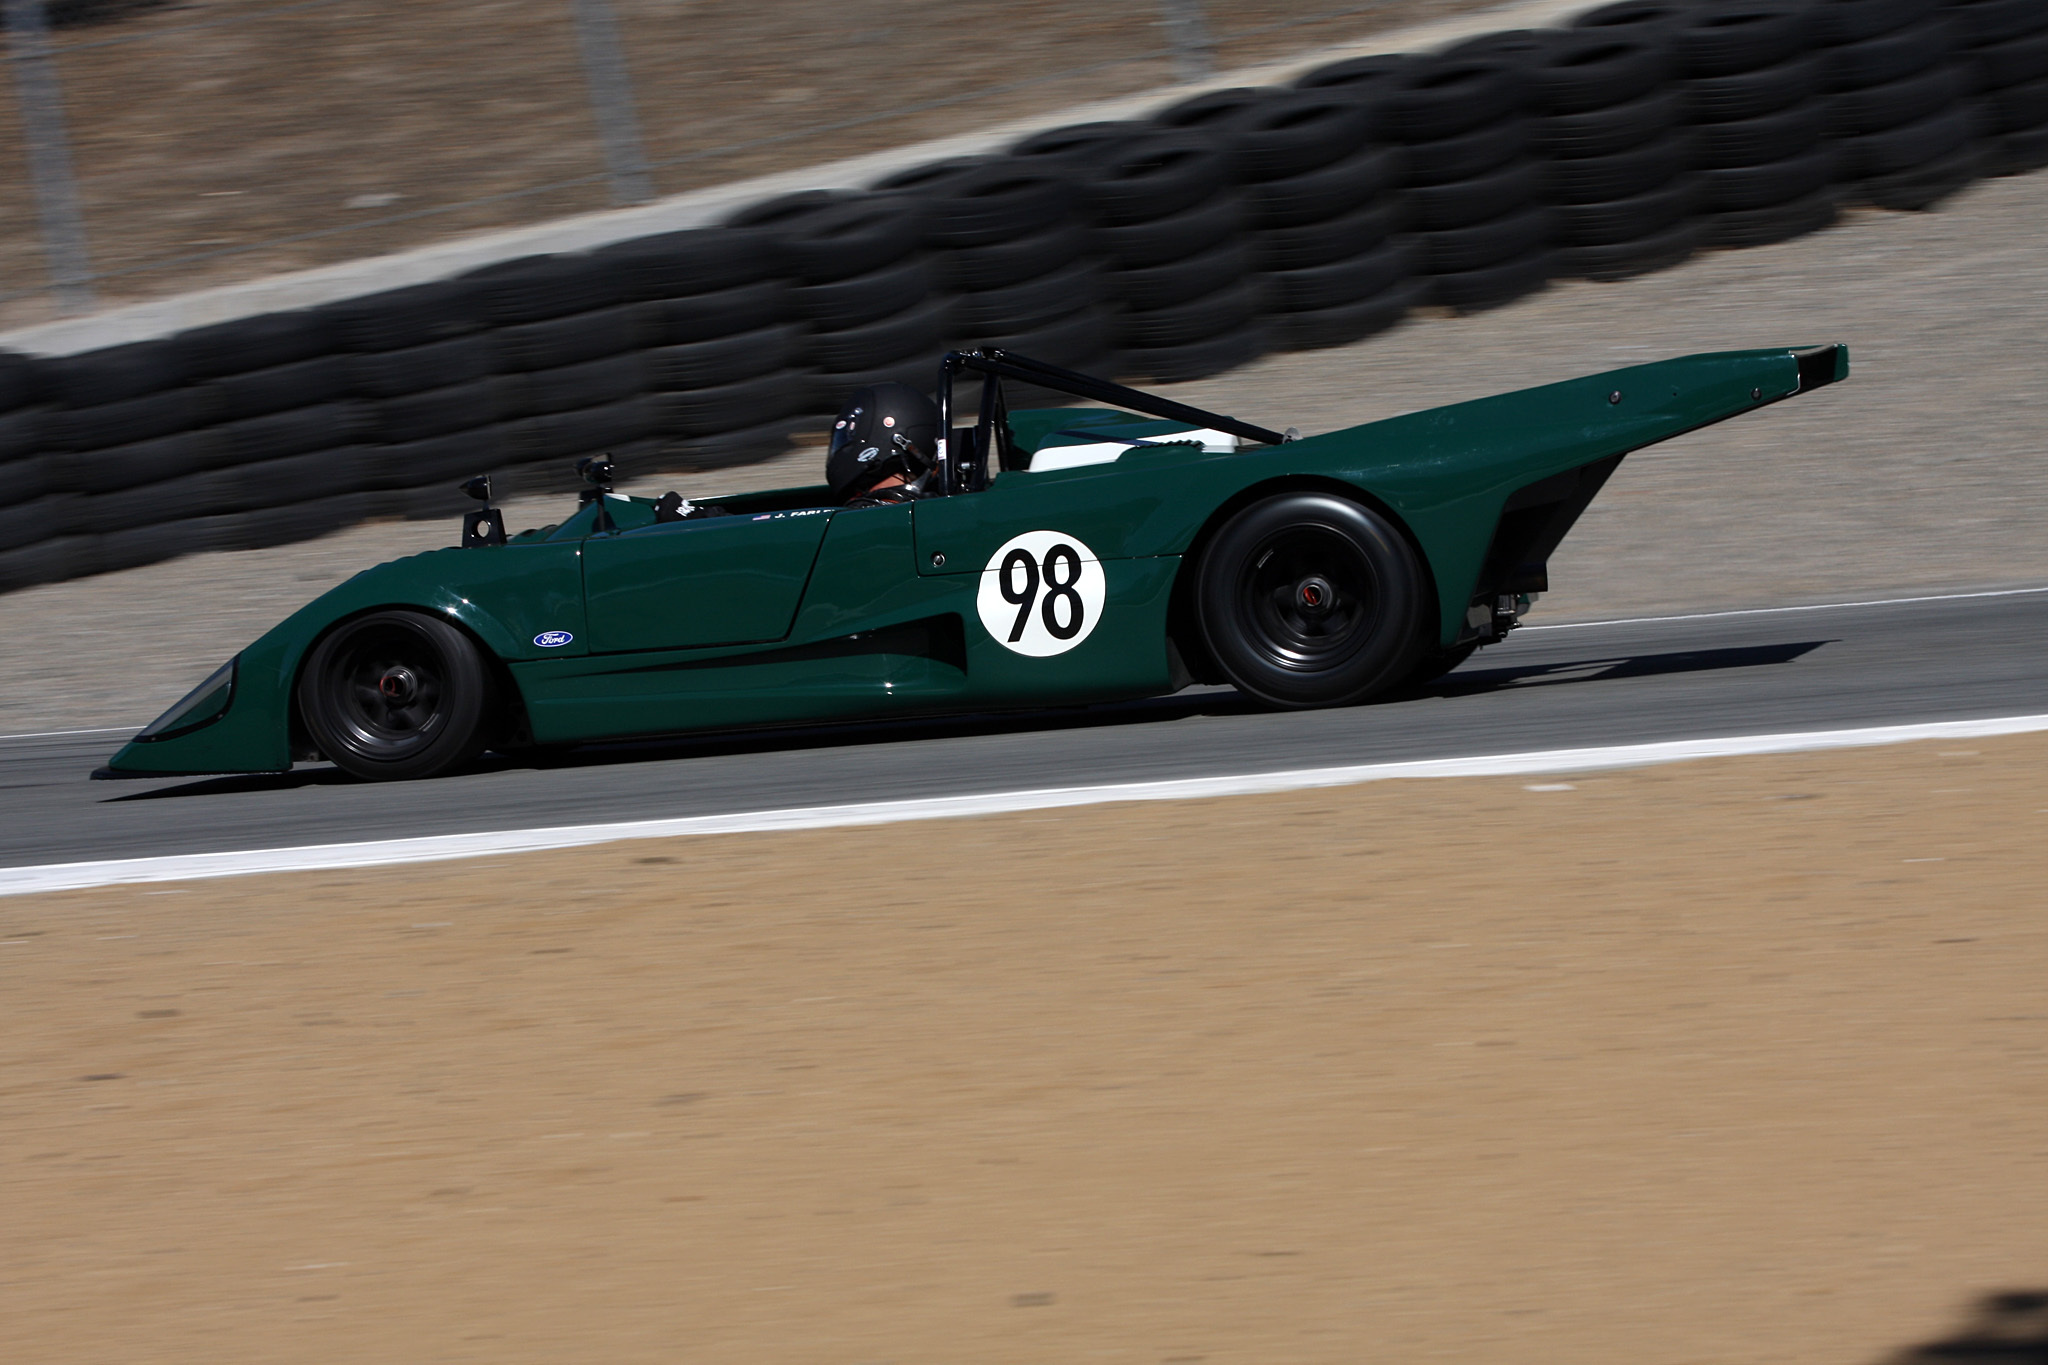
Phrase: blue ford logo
(553, 639)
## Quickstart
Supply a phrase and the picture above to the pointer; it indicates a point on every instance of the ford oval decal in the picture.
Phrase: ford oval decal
(553, 639)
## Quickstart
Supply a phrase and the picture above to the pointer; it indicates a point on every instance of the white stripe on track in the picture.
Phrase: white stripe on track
(1771, 611)
(17, 881)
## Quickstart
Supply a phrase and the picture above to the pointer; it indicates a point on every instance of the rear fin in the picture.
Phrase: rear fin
(1821, 365)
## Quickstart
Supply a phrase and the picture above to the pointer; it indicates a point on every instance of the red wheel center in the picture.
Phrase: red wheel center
(396, 685)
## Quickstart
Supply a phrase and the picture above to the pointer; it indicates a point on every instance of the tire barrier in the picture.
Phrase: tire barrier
(706, 310)
(1760, 127)
(1161, 249)
(1165, 218)
(1475, 193)
(2004, 47)
(1005, 239)
(861, 294)
(1320, 195)
(1902, 116)
(1618, 173)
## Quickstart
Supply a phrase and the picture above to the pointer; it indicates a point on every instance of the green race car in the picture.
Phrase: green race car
(1063, 556)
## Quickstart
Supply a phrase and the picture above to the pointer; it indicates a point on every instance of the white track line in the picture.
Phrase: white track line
(53, 734)
(17, 881)
(1770, 611)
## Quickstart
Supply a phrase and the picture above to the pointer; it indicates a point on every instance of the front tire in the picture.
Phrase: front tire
(395, 695)
(1308, 599)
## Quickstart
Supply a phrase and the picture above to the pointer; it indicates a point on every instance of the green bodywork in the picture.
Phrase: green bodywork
(794, 611)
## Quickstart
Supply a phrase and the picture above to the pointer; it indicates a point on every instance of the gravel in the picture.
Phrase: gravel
(230, 141)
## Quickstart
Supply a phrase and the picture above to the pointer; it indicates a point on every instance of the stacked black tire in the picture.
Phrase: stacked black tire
(723, 368)
(1752, 89)
(2005, 45)
(1362, 80)
(228, 437)
(1901, 103)
(1159, 222)
(861, 288)
(568, 384)
(1165, 225)
(421, 366)
(1474, 192)
(1609, 132)
(1007, 245)
(26, 521)
(286, 457)
(54, 426)
(1320, 195)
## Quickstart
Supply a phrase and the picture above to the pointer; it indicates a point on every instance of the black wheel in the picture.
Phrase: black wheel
(395, 695)
(1308, 599)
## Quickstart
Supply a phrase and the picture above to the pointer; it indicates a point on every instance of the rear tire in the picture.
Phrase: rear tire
(1308, 599)
(396, 695)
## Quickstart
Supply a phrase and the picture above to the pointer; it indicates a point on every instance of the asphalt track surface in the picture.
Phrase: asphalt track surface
(1814, 668)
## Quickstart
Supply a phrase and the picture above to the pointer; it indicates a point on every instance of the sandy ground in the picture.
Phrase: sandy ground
(224, 140)
(1723, 1062)
(1926, 471)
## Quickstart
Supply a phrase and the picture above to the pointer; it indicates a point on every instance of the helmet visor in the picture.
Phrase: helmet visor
(842, 437)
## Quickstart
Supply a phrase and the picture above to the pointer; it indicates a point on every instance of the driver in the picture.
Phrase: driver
(883, 447)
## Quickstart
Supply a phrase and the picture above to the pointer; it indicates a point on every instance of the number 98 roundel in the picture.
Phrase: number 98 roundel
(1041, 593)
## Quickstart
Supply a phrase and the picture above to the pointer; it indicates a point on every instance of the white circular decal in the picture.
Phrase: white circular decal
(1041, 593)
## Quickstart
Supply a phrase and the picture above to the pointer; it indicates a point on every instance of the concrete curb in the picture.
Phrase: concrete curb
(698, 208)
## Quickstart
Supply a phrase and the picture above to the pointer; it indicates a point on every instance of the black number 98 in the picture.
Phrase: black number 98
(1060, 572)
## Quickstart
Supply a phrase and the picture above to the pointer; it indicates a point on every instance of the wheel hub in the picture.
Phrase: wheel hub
(398, 685)
(1314, 595)
(1310, 598)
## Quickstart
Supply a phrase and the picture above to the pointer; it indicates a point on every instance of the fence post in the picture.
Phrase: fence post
(611, 99)
(49, 154)
(1189, 33)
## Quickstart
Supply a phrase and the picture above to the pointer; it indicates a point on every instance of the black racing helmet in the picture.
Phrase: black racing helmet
(884, 429)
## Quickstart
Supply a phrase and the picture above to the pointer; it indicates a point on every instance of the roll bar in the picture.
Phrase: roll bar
(992, 429)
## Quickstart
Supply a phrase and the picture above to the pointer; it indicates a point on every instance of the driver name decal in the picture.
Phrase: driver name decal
(1041, 593)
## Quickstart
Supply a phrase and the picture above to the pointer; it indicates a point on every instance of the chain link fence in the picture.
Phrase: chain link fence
(167, 146)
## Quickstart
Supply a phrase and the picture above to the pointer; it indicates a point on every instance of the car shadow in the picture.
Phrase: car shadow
(1205, 701)
(1470, 680)
(1213, 702)
(2006, 1328)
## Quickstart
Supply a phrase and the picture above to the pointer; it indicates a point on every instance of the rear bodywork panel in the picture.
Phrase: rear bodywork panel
(793, 611)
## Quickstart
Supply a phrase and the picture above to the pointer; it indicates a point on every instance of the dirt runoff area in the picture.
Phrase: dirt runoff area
(1738, 1060)
(216, 141)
